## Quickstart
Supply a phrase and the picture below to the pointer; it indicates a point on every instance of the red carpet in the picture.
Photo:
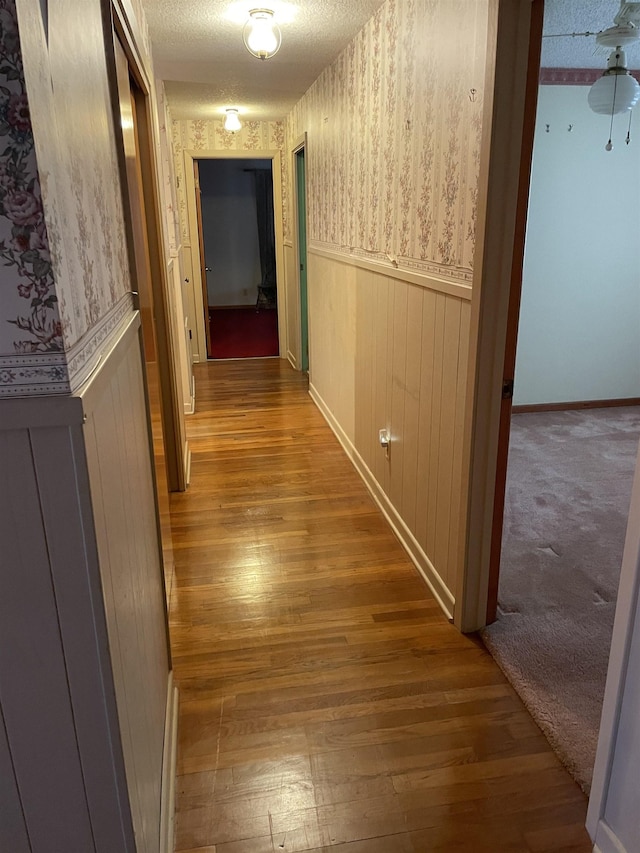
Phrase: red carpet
(243, 332)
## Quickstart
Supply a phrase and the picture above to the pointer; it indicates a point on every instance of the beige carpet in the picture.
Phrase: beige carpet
(568, 492)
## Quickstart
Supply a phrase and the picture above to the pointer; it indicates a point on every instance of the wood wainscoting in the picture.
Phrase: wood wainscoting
(84, 656)
(388, 349)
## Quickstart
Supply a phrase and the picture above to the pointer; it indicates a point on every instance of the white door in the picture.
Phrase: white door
(614, 806)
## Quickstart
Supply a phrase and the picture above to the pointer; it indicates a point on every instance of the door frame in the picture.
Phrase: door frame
(514, 42)
(300, 145)
(121, 23)
(190, 155)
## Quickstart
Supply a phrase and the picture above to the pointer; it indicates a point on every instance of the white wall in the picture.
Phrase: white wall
(230, 230)
(580, 315)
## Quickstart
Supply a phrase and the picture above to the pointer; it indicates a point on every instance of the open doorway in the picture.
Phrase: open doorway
(234, 200)
(576, 422)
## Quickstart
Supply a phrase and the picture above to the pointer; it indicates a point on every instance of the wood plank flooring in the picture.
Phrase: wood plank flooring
(326, 704)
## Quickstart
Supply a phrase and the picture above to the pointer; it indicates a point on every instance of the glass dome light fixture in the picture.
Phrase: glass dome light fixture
(616, 91)
(261, 34)
(232, 120)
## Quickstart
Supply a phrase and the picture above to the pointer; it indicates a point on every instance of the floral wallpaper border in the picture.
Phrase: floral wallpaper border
(80, 358)
(26, 375)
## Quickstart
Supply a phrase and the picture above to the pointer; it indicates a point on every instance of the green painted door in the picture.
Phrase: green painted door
(302, 251)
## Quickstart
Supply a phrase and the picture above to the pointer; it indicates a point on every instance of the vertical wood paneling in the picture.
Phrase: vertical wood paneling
(387, 377)
(456, 544)
(60, 470)
(110, 546)
(447, 415)
(13, 832)
(398, 391)
(409, 376)
(434, 444)
(379, 378)
(425, 414)
(365, 319)
(332, 337)
(412, 405)
(120, 473)
(33, 679)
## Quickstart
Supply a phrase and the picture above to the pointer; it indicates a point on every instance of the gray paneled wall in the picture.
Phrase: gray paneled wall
(84, 662)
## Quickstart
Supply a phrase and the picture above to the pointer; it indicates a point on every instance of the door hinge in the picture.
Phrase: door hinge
(507, 389)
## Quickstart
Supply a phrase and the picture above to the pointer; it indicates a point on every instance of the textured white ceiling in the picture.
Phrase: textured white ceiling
(568, 16)
(198, 51)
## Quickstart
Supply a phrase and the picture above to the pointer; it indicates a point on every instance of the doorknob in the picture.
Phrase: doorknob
(207, 269)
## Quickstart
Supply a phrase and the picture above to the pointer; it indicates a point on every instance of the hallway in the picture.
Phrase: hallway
(325, 701)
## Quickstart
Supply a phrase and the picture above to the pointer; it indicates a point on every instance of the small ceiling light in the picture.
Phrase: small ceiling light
(232, 120)
(261, 34)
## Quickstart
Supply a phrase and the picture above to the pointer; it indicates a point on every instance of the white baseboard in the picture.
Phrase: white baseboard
(169, 769)
(406, 538)
(190, 407)
(607, 841)
(187, 463)
(292, 359)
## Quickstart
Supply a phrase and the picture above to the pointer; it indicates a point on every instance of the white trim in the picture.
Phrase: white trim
(607, 841)
(460, 288)
(405, 536)
(169, 768)
(190, 407)
(292, 359)
(187, 463)
(624, 627)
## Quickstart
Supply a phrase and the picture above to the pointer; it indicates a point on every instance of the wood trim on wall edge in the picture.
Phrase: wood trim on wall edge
(462, 290)
(169, 770)
(406, 538)
(577, 404)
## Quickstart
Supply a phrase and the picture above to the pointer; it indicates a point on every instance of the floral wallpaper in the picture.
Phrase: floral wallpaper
(210, 135)
(70, 253)
(167, 170)
(394, 127)
(31, 331)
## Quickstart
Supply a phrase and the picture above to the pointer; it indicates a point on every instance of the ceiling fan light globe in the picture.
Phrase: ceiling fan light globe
(613, 94)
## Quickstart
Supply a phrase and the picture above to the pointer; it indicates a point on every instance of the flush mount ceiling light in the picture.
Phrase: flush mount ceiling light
(232, 120)
(261, 34)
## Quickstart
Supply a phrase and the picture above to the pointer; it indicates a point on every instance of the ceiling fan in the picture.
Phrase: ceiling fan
(616, 91)
(624, 33)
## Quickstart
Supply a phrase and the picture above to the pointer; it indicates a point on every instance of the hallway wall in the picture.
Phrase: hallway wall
(394, 129)
(83, 601)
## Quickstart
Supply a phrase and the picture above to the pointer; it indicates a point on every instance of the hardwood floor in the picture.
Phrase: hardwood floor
(325, 701)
